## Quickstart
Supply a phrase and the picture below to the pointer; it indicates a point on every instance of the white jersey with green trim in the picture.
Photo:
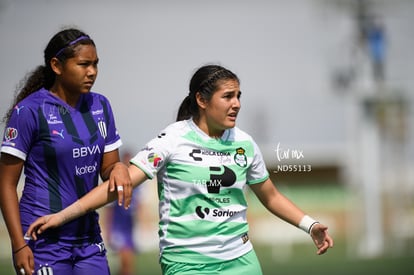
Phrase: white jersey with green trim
(201, 183)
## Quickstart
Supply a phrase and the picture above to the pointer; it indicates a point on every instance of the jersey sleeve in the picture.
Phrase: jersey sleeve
(19, 132)
(112, 140)
(257, 172)
(153, 157)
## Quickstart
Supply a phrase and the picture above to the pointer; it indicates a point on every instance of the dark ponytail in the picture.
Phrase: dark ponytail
(206, 81)
(185, 112)
(60, 46)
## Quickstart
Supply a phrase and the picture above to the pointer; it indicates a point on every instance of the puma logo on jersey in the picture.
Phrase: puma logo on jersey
(55, 132)
(17, 108)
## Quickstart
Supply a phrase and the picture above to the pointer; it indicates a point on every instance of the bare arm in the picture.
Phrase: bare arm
(10, 171)
(116, 172)
(277, 203)
(96, 198)
(283, 208)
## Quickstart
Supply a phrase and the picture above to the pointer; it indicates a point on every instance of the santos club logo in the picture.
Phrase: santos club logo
(217, 212)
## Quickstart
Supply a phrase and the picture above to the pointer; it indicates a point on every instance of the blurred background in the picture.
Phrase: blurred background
(327, 94)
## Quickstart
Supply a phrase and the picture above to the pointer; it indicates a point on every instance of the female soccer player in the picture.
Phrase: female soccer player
(203, 162)
(65, 137)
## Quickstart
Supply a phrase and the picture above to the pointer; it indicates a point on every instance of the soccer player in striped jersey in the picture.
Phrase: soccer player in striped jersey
(65, 137)
(203, 163)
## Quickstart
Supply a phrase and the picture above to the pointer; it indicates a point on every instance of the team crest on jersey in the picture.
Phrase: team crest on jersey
(102, 128)
(240, 158)
(154, 159)
(9, 135)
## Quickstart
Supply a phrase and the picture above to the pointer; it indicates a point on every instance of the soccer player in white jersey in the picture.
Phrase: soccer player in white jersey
(203, 162)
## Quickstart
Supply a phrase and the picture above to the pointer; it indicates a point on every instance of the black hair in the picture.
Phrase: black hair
(62, 46)
(206, 81)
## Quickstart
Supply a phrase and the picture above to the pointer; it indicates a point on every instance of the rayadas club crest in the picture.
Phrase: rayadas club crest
(240, 158)
(102, 128)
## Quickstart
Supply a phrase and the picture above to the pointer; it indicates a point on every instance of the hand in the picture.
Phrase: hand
(44, 223)
(120, 179)
(23, 260)
(321, 238)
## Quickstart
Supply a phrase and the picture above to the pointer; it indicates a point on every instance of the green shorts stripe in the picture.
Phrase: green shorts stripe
(246, 264)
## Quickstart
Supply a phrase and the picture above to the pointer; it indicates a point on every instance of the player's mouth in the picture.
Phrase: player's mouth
(232, 116)
(88, 84)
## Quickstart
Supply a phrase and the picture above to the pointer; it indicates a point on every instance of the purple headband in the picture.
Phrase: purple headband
(83, 37)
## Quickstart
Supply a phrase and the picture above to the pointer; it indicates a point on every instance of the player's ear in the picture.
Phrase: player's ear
(201, 101)
(56, 65)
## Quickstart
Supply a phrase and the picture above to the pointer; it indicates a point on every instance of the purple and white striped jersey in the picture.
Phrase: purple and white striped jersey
(62, 148)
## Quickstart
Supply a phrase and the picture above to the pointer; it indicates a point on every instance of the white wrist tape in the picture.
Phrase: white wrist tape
(307, 223)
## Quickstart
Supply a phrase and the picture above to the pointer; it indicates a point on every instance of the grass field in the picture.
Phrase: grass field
(297, 258)
(303, 260)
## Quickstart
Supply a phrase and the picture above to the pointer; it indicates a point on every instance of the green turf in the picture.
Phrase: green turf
(296, 259)
(302, 260)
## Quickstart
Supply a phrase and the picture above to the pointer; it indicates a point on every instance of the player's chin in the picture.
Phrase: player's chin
(86, 88)
(230, 123)
(85, 91)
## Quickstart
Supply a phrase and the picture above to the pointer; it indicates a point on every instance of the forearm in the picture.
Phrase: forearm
(277, 203)
(98, 197)
(10, 170)
(10, 210)
(285, 209)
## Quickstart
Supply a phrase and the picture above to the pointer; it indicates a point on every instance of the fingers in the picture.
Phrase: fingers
(31, 265)
(321, 238)
(31, 231)
(24, 262)
(124, 195)
(111, 184)
(120, 190)
(27, 270)
(327, 243)
(322, 249)
(37, 227)
(120, 181)
(324, 242)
